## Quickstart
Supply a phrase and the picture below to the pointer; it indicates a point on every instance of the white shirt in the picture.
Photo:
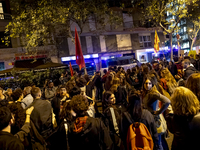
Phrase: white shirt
(26, 102)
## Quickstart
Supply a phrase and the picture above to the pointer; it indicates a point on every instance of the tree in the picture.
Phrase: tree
(156, 11)
(41, 22)
(192, 32)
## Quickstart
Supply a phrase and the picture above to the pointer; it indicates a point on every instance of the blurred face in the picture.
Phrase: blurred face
(184, 65)
(160, 66)
(170, 63)
(112, 99)
(147, 85)
(63, 92)
(51, 84)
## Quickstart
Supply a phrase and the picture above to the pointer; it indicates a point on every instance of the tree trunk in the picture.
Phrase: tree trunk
(171, 48)
(192, 44)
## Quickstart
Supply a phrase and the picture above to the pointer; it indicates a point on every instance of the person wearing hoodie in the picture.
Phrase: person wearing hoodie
(87, 132)
(188, 69)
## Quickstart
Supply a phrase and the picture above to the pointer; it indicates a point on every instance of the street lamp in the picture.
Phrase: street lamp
(190, 30)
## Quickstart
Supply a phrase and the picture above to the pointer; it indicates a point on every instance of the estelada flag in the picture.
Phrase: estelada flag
(71, 69)
(156, 42)
(79, 55)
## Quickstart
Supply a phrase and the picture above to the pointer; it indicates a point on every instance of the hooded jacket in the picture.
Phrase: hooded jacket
(190, 70)
(89, 133)
(186, 131)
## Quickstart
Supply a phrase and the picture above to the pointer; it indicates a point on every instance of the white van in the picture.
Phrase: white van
(127, 62)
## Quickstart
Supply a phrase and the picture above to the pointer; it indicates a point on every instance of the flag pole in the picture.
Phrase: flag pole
(85, 70)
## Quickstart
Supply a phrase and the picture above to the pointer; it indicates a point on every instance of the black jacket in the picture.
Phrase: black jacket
(186, 131)
(190, 70)
(56, 102)
(173, 69)
(10, 142)
(147, 119)
(94, 136)
(41, 116)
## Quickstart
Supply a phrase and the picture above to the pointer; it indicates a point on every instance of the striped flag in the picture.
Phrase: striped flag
(156, 42)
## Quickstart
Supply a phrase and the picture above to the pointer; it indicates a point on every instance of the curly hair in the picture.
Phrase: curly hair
(184, 102)
(193, 83)
(79, 104)
(16, 94)
(19, 115)
(66, 112)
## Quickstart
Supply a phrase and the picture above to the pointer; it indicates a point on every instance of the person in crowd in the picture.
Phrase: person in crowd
(17, 95)
(87, 132)
(128, 76)
(62, 78)
(198, 62)
(161, 67)
(8, 94)
(19, 115)
(91, 109)
(28, 99)
(170, 81)
(145, 70)
(188, 69)
(104, 76)
(99, 86)
(58, 102)
(50, 91)
(108, 82)
(9, 141)
(172, 68)
(41, 117)
(115, 85)
(193, 83)
(192, 60)
(111, 114)
(184, 121)
(80, 80)
(134, 79)
(150, 97)
(136, 113)
(3, 98)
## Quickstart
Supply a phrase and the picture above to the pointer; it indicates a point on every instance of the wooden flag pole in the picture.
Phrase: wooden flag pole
(85, 70)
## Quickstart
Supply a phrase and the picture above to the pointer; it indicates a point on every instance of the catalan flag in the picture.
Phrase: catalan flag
(156, 42)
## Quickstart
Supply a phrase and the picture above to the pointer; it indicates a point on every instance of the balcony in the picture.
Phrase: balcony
(4, 16)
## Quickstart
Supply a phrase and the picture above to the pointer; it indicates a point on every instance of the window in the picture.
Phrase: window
(1, 11)
(185, 45)
(145, 41)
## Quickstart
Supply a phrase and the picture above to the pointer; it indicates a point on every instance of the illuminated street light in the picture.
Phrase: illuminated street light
(190, 30)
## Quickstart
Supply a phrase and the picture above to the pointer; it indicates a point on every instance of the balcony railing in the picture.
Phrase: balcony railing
(4, 16)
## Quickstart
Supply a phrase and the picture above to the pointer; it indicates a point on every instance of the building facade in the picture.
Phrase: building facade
(128, 39)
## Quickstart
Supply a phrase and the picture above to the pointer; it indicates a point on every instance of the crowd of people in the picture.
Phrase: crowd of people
(163, 97)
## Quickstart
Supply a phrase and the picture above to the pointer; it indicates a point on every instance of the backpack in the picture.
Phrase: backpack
(138, 136)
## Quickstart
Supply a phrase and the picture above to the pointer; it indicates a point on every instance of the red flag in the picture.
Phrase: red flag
(79, 55)
(71, 69)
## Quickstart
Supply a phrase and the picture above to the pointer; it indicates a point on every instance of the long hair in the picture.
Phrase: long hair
(115, 85)
(106, 96)
(171, 82)
(135, 107)
(154, 89)
(193, 83)
(184, 102)
(108, 83)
